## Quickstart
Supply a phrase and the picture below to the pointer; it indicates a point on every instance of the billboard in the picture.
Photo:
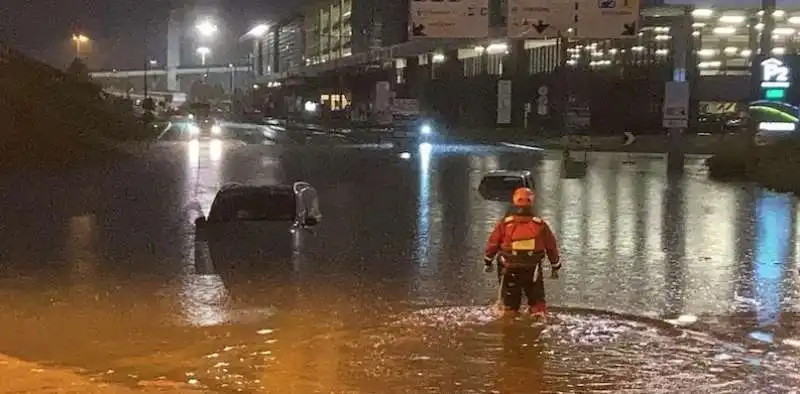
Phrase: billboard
(449, 18)
(588, 18)
(538, 18)
(607, 18)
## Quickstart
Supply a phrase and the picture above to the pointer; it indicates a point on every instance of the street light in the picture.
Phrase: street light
(258, 31)
(203, 52)
(206, 28)
(79, 39)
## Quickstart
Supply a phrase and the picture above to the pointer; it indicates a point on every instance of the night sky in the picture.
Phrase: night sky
(42, 28)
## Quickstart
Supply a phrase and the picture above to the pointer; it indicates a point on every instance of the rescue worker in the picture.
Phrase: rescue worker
(520, 242)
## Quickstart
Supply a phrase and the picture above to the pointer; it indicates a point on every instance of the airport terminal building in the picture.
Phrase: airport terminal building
(334, 52)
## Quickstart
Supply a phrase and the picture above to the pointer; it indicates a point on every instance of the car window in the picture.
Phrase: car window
(502, 185)
(266, 205)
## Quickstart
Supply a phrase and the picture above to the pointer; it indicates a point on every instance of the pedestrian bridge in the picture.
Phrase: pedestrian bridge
(216, 69)
(176, 79)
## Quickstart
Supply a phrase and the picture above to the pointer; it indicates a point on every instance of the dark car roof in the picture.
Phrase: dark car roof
(233, 189)
(503, 173)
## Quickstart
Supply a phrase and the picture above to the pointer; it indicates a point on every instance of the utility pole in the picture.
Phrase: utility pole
(146, 60)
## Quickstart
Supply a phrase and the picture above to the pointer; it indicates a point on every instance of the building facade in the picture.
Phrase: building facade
(342, 37)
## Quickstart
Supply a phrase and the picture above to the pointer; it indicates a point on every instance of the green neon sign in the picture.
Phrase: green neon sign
(775, 94)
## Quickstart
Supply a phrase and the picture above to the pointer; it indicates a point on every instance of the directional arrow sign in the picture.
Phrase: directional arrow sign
(629, 138)
(540, 26)
(449, 19)
(538, 18)
(607, 18)
(629, 29)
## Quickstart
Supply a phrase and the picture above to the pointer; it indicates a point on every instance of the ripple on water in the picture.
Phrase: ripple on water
(471, 350)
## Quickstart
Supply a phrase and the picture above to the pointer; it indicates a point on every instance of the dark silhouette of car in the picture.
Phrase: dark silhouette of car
(256, 234)
(499, 185)
(295, 205)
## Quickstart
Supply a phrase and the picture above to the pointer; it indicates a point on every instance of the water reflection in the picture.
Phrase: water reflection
(82, 249)
(399, 234)
(205, 300)
(773, 236)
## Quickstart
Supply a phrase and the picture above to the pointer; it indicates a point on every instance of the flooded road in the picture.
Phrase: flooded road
(668, 284)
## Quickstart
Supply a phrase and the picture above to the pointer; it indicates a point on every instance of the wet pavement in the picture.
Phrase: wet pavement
(681, 285)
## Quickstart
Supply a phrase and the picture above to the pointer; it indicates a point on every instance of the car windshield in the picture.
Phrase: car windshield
(502, 185)
(255, 205)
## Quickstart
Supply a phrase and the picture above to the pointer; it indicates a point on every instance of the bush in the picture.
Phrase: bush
(50, 116)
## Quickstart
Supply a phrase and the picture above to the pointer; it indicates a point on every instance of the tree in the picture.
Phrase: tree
(78, 69)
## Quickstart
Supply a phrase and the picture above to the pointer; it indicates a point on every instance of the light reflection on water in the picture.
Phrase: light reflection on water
(400, 236)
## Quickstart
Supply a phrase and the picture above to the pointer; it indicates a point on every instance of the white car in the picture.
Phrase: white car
(499, 185)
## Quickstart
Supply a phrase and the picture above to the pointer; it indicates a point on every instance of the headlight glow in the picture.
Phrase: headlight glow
(194, 129)
(216, 130)
(426, 129)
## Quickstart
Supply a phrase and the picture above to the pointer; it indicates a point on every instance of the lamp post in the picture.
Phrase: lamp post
(203, 52)
(79, 39)
(206, 29)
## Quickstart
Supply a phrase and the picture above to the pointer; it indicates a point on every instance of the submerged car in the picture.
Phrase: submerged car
(295, 205)
(256, 233)
(499, 185)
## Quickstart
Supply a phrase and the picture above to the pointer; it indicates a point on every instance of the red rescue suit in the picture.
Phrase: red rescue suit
(520, 242)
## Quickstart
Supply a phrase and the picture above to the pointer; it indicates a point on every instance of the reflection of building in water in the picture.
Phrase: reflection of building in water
(711, 245)
(549, 189)
(771, 254)
(82, 248)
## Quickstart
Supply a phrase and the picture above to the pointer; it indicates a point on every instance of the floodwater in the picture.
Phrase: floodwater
(680, 285)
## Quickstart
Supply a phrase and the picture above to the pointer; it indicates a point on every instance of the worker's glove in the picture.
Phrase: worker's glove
(554, 268)
(488, 263)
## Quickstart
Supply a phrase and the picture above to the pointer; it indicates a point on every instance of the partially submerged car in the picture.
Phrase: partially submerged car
(295, 205)
(499, 185)
(256, 233)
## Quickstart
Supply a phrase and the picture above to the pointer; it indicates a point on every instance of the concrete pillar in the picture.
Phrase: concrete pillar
(682, 48)
(515, 69)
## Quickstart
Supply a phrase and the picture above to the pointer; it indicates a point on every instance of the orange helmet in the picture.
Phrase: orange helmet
(523, 197)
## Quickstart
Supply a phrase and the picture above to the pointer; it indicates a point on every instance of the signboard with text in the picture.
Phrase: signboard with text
(538, 18)
(449, 18)
(607, 18)
(586, 18)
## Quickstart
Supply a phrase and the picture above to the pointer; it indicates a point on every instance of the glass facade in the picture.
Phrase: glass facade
(290, 44)
(724, 39)
(329, 32)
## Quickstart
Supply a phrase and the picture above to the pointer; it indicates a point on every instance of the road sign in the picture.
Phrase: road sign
(676, 105)
(629, 138)
(607, 18)
(538, 18)
(449, 19)
(503, 102)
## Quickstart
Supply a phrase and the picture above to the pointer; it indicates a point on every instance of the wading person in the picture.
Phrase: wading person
(520, 242)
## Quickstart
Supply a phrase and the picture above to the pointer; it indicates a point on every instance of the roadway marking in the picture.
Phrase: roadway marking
(520, 146)
(631, 154)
